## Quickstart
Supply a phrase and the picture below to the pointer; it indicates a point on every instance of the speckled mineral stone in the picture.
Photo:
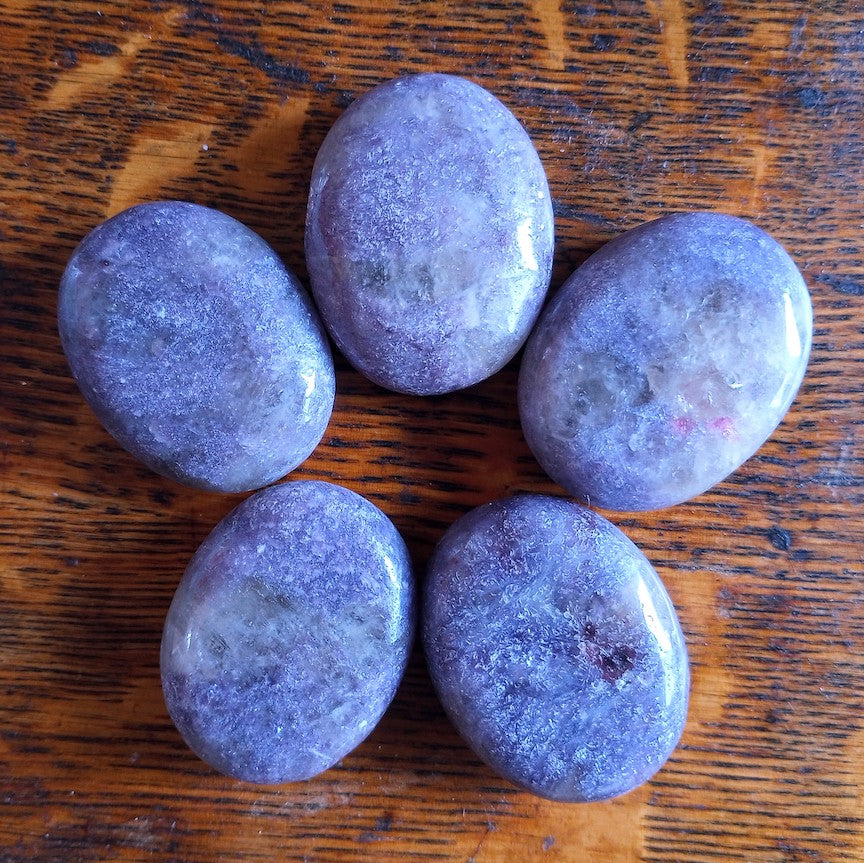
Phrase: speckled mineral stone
(429, 234)
(555, 648)
(195, 346)
(665, 361)
(289, 632)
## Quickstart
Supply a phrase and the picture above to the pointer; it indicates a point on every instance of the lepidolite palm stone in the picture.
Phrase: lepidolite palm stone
(289, 632)
(665, 361)
(196, 348)
(429, 234)
(555, 648)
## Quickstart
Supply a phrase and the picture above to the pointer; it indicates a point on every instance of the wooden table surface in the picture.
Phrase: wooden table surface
(637, 107)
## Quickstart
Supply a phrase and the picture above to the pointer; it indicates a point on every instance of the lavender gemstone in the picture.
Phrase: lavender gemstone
(555, 648)
(195, 347)
(665, 361)
(289, 632)
(429, 234)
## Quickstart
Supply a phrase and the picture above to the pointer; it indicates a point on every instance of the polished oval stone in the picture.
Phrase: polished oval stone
(665, 361)
(429, 234)
(289, 632)
(195, 347)
(555, 648)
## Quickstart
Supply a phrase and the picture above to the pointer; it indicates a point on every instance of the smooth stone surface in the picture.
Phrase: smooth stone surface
(665, 361)
(555, 648)
(289, 632)
(429, 234)
(195, 347)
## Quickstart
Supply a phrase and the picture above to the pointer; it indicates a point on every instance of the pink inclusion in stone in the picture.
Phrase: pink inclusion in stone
(665, 361)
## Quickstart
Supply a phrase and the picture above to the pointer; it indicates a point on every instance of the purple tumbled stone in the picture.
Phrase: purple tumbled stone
(289, 632)
(555, 648)
(195, 347)
(665, 361)
(429, 234)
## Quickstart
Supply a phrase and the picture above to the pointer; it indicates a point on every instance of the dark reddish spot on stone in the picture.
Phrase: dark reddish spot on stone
(616, 662)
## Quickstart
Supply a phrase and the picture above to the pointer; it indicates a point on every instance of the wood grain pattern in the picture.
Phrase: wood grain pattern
(637, 108)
